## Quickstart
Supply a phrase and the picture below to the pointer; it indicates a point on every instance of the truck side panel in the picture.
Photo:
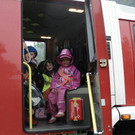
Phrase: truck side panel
(128, 58)
(10, 70)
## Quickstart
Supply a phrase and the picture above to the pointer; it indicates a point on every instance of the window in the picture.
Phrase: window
(108, 42)
(41, 48)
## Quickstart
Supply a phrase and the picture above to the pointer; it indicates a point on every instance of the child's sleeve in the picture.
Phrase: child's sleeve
(47, 79)
(76, 78)
(54, 80)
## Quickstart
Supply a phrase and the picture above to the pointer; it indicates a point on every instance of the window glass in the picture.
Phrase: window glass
(108, 42)
(125, 2)
(41, 48)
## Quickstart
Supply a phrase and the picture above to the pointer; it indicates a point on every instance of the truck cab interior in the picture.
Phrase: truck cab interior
(62, 24)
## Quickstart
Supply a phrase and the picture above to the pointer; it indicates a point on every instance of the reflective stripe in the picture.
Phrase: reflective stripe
(25, 76)
(66, 77)
(61, 102)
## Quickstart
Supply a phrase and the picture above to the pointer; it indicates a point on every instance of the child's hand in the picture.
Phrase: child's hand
(53, 90)
(24, 45)
(27, 57)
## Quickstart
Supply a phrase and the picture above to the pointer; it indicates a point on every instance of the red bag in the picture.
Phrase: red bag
(76, 109)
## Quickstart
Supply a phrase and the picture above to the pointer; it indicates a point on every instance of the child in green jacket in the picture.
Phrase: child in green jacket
(47, 76)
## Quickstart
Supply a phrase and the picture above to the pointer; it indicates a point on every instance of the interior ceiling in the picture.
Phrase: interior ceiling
(41, 18)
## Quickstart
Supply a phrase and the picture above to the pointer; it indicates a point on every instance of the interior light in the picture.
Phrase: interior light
(29, 32)
(40, 15)
(75, 10)
(27, 19)
(45, 37)
(35, 24)
(24, 28)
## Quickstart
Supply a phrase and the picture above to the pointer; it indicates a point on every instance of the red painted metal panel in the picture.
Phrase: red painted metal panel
(103, 72)
(10, 68)
(132, 30)
(128, 58)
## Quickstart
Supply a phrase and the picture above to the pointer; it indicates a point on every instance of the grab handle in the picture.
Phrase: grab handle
(30, 95)
(91, 103)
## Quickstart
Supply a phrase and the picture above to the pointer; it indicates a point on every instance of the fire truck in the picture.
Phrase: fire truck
(101, 37)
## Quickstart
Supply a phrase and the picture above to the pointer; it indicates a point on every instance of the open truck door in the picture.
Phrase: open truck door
(76, 32)
(94, 18)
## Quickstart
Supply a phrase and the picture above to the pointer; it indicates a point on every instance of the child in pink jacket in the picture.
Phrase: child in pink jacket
(66, 78)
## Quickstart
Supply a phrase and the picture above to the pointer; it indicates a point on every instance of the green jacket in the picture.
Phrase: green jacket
(47, 82)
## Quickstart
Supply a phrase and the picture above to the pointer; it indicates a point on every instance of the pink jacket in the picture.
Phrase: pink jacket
(72, 83)
(66, 77)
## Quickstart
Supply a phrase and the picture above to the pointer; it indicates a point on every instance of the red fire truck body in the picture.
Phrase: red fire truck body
(119, 24)
(113, 27)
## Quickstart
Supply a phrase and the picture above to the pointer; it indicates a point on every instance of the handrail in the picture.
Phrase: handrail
(30, 95)
(91, 103)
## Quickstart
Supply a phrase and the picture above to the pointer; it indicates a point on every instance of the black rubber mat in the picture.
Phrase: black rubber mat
(58, 126)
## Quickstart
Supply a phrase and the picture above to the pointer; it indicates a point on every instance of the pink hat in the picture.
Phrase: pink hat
(65, 53)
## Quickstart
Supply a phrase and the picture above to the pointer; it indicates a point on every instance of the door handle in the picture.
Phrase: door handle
(103, 63)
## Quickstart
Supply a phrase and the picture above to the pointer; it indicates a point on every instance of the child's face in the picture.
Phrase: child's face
(29, 56)
(49, 66)
(33, 55)
(65, 61)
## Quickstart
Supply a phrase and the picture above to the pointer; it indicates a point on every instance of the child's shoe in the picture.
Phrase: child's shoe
(52, 120)
(59, 114)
